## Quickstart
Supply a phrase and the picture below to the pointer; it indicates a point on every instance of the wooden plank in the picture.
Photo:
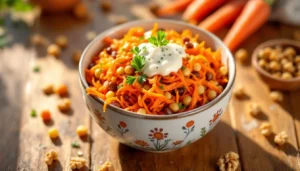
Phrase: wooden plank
(257, 151)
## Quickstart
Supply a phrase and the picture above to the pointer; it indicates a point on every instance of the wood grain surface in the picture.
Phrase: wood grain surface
(24, 139)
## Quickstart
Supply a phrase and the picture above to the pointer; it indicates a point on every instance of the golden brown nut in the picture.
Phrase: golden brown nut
(265, 129)
(289, 51)
(107, 166)
(286, 75)
(241, 55)
(54, 50)
(284, 61)
(254, 109)
(277, 74)
(62, 90)
(50, 157)
(229, 162)
(297, 59)
(265, 53)
(263, 64)
(61, 41)
(38, 40)
(289, 67)
(239, 91)
(76, 56)
(281, 138)
(274, 66)
(223, 70)
(64, 105)
(276, 96)
(77, 162)
(274, 56)
(80, 11)
(48, 89)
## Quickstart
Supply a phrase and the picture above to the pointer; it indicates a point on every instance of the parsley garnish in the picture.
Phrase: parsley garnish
(160, 39)
(138, 62)
(161, 87)
(142, 78)
(75, 144)
(36, 69)
(120, 86)
(136, 50)
(33, 113)
(181, 106)
(130, 79)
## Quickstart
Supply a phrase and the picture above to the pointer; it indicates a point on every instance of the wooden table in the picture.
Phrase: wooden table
(24, 139)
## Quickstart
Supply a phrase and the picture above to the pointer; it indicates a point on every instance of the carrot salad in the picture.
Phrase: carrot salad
(117, 73)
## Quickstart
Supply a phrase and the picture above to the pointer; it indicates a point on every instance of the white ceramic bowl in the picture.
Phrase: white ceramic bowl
(151, 132)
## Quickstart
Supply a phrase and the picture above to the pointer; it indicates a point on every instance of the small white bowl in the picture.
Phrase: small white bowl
(155, 133)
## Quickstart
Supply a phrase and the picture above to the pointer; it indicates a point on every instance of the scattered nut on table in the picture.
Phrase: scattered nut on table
(76, 56)
(265, 129)
(90, 35)
(229, 162)
(254, 109)
(80, 11)
(281, 138)
(48, 89)
(105, 6)
(53, 133)
(276, 96)
(241, 55)
(50, 157)
(239, 91)
(107, 166)
(54, 50)
(61, 41)
(81, 130)
(38, 40)
(62, 90)
(64, 105)
(77, 162)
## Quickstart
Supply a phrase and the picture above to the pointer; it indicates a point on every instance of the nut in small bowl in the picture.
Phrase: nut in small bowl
(277, 62)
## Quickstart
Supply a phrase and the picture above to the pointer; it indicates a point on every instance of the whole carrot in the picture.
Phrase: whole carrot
(200, 8)
(174, 7)
(253, 16)
(223, 16)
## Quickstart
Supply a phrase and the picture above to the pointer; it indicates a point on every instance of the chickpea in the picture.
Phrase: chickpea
(120, 71)
(54, 50)
(283, 61)
(278, 49)
(97, 73)
(129, 70)
(286, 75)
(223, 70)
(168, 95)
(141, 111)
(289, 51)
(197, 67)
(53, 133)
(61, 41)
(38, 40)
(297, 59)
(263, 64)
(274, 66)
(265, 129)
(187, 100)
(289, 67)
(201, 89)
(241, 55)
(254, 109)
(64, 105)
(62, 90)
(48, 89)
(146, 86)
(105, 84)
(265, 53)
(239, 91)
(220, 87)
(174, 107)
(273, 56)
(211, 94)
(215, 82)
(276, 96)
(186, 72)
(76, 56)
(110, 94)
(81, 130)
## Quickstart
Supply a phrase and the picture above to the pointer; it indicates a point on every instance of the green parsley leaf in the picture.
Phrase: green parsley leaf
(160, 39)
(33, 113)
(36, 69)
(161, 87)
(130, 79)
(75, 144)
(138, 62)
(142, 38)
(182, 68)
(142, 78)
(135, 50)
(181, 106)
(120, 86)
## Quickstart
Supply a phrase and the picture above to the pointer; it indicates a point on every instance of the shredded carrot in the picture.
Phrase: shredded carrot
(135, 96)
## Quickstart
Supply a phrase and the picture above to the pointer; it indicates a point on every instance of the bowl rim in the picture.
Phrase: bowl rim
(271, 43)
(162, 117)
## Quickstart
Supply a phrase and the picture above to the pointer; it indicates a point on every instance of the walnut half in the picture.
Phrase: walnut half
(229, 162)
(50, 157)
(107, 166)
(77, 162)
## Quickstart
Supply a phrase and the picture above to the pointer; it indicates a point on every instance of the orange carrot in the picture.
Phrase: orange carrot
(200, 8)
(174, 7)
(253, 16)
(223, 16)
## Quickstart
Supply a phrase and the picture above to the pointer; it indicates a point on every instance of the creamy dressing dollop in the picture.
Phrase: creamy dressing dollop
(162, 60)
